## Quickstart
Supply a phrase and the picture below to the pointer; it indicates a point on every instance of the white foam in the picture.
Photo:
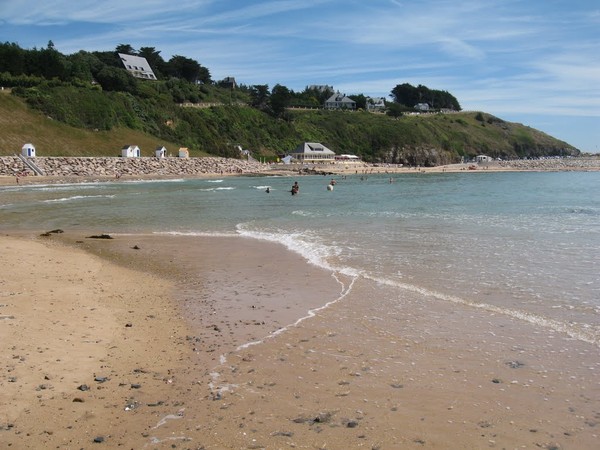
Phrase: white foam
(76, 197)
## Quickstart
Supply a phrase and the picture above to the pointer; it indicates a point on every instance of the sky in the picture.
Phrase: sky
(535, 62)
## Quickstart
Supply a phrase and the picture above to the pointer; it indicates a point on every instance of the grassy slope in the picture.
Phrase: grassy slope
(370, 135)
(19, 125)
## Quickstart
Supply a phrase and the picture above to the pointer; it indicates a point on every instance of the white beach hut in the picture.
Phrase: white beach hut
(160, 152)
(131, 151)
(28, 150)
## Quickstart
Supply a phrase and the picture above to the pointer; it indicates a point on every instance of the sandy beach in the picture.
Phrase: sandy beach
(167, 342)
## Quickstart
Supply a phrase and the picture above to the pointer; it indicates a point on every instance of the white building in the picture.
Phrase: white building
(184, 152)
(375, 104)
(313, 152)
(340, 101)
(131, 151)
(28, 150)
(160, 152)
(137, 66)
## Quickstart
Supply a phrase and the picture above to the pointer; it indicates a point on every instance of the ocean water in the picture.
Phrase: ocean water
(524, 245)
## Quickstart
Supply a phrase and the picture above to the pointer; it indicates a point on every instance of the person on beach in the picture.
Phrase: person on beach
(295, 188)
(268, 191)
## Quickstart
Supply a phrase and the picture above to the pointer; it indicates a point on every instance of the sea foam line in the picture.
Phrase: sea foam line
(76, 197)
(591, 336)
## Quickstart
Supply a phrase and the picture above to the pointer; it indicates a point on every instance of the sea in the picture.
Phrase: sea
(524, 245)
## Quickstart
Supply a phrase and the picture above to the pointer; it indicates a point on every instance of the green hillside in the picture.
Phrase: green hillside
(66, 121)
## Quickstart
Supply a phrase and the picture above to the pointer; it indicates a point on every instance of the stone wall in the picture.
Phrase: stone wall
(113, 166)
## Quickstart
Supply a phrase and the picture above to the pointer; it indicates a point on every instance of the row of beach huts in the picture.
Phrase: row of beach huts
(128, 151)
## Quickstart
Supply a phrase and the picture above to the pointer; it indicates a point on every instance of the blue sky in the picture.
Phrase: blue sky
(536, 62)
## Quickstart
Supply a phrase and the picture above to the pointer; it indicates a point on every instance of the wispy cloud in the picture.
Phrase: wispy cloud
(507, 57)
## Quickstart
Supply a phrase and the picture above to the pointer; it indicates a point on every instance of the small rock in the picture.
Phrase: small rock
(352, 424)
(136, 386)
(128, 325)
(83, 387)
(100, 379)
(99, 439)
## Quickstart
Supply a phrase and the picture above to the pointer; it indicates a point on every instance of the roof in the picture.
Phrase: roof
(340, 98)
(313, 148)
(137, 66)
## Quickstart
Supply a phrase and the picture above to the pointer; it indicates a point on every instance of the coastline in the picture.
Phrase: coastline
(61, 170)
(166, 325)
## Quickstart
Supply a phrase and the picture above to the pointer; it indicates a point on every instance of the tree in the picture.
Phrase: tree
(182, 67)
(259, 94)
(361, 101)
(126, 49)
(113, 79)
(280, 99)
(12, 59)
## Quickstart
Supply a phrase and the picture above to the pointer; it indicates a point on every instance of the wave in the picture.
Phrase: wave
(76, 197)
(320, 255)
(230, 188)
(585, 333)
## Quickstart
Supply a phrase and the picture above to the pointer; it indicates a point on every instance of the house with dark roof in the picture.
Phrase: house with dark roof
(339, 101)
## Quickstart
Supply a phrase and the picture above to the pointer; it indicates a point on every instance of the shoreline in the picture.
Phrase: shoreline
(169, 318)
(89, 169)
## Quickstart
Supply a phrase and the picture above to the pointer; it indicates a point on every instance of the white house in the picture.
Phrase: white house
(160, 152)
(422, 107)
(483, 158)
(184, 152)
(375, 104)
(313, 152)
(339, 101)
(131, 151)
(137, 66)
(28, 150)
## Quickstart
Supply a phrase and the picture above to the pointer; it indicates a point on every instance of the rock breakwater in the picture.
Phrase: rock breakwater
(117, 166)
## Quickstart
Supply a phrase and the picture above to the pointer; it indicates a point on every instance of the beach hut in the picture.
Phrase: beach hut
(131, 151)
(184, 152)
(160, 152)
(28, 150)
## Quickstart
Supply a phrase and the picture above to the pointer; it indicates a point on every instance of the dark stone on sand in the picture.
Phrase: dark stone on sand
(515, 364)
(48, 233)
(12, 379)
(282, 433)
(77, 400)
(352, 424)
(83, 387)
(496, 380)
(397, 386)
(135, 247)
(100, 236)
(98, 439)
(100, 379)
(158, 403)
(128, 325)
(136, 386)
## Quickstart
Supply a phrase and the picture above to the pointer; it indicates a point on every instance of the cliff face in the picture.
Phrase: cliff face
(426, 140)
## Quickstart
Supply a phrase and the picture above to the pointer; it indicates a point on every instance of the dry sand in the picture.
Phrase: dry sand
(162, 359)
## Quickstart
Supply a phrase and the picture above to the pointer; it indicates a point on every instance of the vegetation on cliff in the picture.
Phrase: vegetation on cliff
(91, 106)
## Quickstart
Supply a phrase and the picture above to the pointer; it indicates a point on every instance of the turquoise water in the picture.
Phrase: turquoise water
(525, 245)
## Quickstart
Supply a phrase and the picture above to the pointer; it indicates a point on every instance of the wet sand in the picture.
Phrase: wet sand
(173, 315)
